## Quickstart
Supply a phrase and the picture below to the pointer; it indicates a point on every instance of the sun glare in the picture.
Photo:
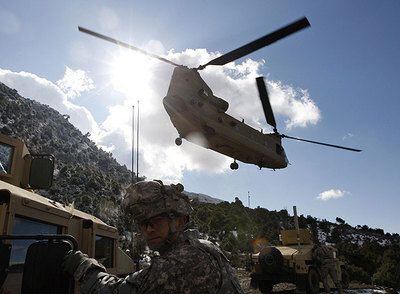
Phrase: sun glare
(131, 73)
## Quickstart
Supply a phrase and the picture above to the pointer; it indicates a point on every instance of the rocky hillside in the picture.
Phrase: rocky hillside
(84, 174)
(203, 197)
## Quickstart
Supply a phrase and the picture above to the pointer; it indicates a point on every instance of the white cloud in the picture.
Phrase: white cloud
(139, 77)
(31, 86)
(331, 194)
(75, 82)
(9, 23)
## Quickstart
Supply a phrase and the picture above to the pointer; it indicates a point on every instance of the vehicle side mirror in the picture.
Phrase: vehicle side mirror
(40, 172)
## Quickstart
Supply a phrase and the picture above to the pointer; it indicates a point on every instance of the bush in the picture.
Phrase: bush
(358, 274)
(388, 273)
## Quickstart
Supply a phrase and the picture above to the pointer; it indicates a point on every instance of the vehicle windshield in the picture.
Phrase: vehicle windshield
(6, 153)
(104, 251)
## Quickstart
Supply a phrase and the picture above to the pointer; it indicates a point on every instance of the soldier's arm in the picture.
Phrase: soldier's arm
(93, 278)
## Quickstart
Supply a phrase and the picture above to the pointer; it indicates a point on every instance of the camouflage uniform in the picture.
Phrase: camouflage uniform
(185, 265)
(327, 266)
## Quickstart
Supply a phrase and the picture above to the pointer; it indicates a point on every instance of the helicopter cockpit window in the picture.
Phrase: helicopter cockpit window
(25, 226)
(104, 251)
(6, 154)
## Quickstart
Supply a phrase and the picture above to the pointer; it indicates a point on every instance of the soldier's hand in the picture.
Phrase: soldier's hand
(71, 261)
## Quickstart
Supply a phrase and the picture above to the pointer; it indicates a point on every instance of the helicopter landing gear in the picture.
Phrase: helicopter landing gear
(178, 141)
(234, 165)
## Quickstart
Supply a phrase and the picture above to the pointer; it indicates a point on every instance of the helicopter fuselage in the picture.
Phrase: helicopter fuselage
(193, 110)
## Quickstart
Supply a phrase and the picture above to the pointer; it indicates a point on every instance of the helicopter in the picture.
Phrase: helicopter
(194, 109)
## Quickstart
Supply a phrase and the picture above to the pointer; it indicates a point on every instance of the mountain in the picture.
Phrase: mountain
(84, 174)
(203, 198)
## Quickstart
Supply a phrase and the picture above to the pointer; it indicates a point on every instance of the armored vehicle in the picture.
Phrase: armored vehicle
(25, 213)
(292, 262)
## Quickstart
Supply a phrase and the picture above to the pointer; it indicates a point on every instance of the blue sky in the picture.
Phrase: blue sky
(347, 62)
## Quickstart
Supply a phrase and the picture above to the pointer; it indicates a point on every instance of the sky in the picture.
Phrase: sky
(335, 82)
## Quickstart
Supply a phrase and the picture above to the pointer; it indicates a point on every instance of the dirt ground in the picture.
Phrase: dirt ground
(244, 279)
(287, 288)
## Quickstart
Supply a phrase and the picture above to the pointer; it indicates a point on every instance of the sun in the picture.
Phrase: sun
(131, 73)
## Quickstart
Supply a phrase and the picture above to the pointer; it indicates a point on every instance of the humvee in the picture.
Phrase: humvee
(26, 216)
(292, 262)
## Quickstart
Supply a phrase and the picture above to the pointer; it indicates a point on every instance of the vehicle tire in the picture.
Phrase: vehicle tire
(178, 141)
(345, 279)
(265, 286)
(312, 281)
(271, 260)
(301, 283)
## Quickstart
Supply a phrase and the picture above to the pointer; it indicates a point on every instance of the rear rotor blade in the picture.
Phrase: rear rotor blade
(122, 44)
(320, 143)
(260, 43)
(263, 93)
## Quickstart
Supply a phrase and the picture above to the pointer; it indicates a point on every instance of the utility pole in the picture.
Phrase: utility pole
(133, 141)
(137, 146)
(248, 199)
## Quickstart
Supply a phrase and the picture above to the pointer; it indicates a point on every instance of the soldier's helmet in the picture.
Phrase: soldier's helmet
(147, 199)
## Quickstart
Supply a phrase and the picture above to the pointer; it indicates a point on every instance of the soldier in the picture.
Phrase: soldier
(327, 264)
(186, 264)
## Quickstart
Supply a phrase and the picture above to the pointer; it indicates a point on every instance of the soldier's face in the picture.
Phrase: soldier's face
(155, 230)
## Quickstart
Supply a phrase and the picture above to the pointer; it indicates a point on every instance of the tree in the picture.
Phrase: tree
(388, 273)
(238, 201)
(340, 221)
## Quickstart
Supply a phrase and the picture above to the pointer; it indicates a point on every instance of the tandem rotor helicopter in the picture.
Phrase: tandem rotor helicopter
(193, 108)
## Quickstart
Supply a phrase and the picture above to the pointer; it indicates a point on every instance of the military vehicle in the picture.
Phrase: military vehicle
(292, 262)
(194, 110)
(26, 216)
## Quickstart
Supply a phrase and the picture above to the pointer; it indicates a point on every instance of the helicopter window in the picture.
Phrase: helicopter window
(104, 251)
(24, 226)
(6, 154)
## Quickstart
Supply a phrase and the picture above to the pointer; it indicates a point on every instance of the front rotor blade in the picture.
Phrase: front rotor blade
(263, 93)
(122, 44)
(320, 143)
(260, 43)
